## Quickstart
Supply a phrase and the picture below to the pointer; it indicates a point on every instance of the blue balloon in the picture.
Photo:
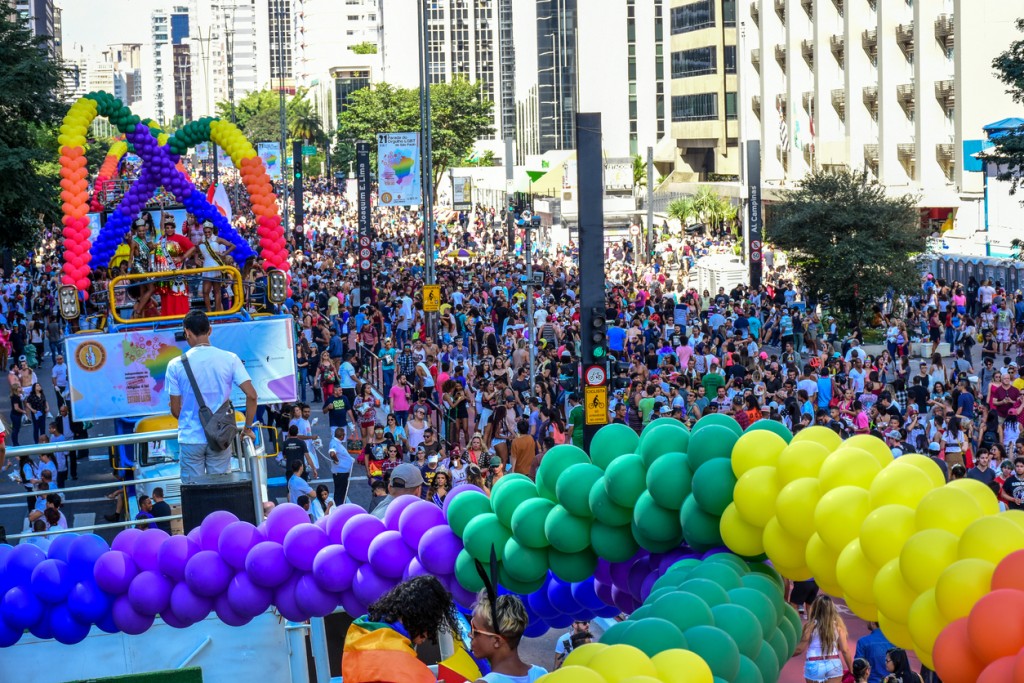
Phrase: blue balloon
(536, 629)
(608, 611)
(106, 624)
(560, 597)
(21, 609)
(61, 546)
(52, 581)
(584, 594)
(6, 580)
(42, 629)
(20, 563)
(66, 629)
(560, 622)
(87, 603)
(9, 636)
(539, 603)
(84, 552)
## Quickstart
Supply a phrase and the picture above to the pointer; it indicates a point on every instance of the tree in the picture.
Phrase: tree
(848, 240)
(639, 173)
(29, 174)
(365, 48)
(258, 114)
(681, 209)
(484, 159)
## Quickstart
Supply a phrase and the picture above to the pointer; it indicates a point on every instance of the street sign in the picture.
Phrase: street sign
(308, 150)
(634, 230)
(431, 298)
(595, 405)
(594, 376)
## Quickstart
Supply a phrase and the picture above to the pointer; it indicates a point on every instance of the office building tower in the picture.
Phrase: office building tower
(170, 89)
(229, 54)
(39, 16)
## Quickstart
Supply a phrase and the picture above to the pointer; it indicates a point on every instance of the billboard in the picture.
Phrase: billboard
(398, 169)
(270, 153)
(462, 192)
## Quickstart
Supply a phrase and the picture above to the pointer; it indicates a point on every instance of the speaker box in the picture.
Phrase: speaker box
(231, 492)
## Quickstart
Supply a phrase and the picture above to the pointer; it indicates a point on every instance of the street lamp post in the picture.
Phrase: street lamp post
(427, 156)
(281, 14)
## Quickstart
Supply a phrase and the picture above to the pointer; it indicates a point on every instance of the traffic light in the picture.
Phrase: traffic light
(599, 333)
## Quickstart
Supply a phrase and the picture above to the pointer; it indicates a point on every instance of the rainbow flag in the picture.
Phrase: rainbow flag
(378, 653)
(459, 668)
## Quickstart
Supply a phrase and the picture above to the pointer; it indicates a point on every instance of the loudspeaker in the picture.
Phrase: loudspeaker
(231, 492)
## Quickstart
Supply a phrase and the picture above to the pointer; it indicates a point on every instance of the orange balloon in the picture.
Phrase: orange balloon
(999, 671)
(997, 613)
(1010, 572)
(955, 661)
(1018, 668)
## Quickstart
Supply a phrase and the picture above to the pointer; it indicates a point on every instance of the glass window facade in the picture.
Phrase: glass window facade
(696, 62)
(702, 107)
(695, 16)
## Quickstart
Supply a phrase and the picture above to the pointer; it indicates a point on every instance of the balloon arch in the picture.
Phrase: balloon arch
(160, 153)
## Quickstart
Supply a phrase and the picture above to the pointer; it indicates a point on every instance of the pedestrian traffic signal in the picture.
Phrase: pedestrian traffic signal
(599, 332)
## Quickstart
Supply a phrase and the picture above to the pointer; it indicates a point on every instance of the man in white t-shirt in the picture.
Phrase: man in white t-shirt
(216, 371)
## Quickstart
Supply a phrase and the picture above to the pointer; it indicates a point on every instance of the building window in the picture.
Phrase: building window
(695, 16)
(730, 105)
(729, 12)
(702, 107)
(697, 62)
(730, 59)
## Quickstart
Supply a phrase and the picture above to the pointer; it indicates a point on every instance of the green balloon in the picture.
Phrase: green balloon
(767, 570)
(713, 441)
(483, 533)
(572, 567)
(668, 480)
(772, 426)
(528, 522)
(653, 635)
(659, 593)
(685, 610)
(466, 574)
(524, 564)
(656, 522)
(718, 419)
(613, 543)
(767, 586)
(610, 442)
(661, 437)
(516, 586)
(717, 648)
(734, 561)
(712, 486)
(777, 642)
(606, 511)
(464, 508)
(768, 663)
(699, 528)
(758, 604)
(652, 545)
(786, 629)
(567, 532)
(723, 574)
(675, 575)
(625, 480)
(749, 672)
(617, 631)
(508, 494)
(742, 625)
(793, 617)
(642, 612)
(573, 488)
(708, 591)
(556, 461)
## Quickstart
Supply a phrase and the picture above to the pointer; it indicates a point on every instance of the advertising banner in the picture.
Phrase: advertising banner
(755, 223)
(462, 192)
(398, 169)
(270, 152)
(365, 226)
(123, 375)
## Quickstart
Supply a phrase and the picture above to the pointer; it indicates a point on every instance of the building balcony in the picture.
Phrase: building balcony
(905, 96)
(905, 39)
(870, 95)
(839, 6)
(873, 4)
(780, 56)
(944, 30)
(839, 102)
(808, 6)
(755, 59)
(944, 152)
(871, 153)
(807, 50)
(781, 103)
(755, 11)
(780, 9)
(838, 46)
(945, 93)
(869, 41)
(755, 104)
(906, 153)
(806, 99)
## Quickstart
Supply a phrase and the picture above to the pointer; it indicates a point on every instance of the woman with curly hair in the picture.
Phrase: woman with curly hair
(380, 647)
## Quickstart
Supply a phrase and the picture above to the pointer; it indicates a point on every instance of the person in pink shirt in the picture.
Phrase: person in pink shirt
(399, 398)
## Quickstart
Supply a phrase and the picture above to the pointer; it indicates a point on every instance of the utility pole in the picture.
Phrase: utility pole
(531, 325)
(229, 43)
(427, 156)
(280, 14)
(650, 205)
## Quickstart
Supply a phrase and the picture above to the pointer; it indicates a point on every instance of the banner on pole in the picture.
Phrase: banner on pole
(398, 169)
(270, 152)
(462, 192)
(364, 223)
(754, 217)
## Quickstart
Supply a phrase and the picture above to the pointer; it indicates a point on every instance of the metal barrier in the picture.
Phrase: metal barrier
(372, 367)
(228, 275)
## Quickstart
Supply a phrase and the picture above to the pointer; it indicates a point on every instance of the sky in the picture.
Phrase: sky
(97, 23)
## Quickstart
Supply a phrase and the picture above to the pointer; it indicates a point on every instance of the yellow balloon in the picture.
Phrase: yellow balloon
(800, 459)
(893, 595)
(926, 659)
(839, 514)
(901, 484)
(896, 632)
(873, 445)
(794, 507)
(926, 465)
(582, 655)
(926, 622)
(848, 466)
(821, 560)
(801, 573)
(641, 679)
(741, 538)
(682, 666)
(755, 449)
(962, 584)
(782, 547)
(820, 435)
(991, 538)
(572, 674)
(925, 556)
(856, 574)
(754, 495)
(1015, 516)
(947, 508)
(867, 612)
(884, 532)
(620, 661)
(982, 494)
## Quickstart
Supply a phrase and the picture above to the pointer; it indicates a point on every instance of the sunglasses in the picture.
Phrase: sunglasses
(474, 632)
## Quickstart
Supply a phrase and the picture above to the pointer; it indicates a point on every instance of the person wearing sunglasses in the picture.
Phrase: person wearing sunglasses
(496, 628)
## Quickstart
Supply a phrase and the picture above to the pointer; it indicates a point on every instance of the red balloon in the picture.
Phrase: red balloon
(999, 671)
(988, 617)
(82, 283)
(955, 661)
(1010, 572)
(1018, 668)
(68, 280)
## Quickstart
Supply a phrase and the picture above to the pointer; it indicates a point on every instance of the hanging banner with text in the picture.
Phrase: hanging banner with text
(365, 235)
(398, 169)
(755, 236)
(270, 153)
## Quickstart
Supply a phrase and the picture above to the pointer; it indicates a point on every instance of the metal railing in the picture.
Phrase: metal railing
(373, 372)
(228, 275)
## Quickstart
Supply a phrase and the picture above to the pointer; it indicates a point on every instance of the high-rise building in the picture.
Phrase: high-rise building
(901, 90)
(170, 85)
(225, 51)
(119, 72)
(39, 14)
(76, 73)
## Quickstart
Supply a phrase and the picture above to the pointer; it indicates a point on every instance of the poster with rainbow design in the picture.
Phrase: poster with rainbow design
(398, 169)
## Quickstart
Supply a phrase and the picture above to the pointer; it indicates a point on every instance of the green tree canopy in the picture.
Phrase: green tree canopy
(365, 48)
(29, 174)
(258, 114)
(848, 240)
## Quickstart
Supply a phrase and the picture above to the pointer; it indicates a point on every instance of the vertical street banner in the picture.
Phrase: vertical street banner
(270, 153)
(398, 169)
(755, 237)
(365, 237)
(462, 192)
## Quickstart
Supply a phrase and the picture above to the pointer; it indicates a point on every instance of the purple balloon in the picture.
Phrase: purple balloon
(114, 571)
(266, 565)
(715, 551)
(640, 570)
(368, 585)
(359, 532)
(393, 514)
(334, 569)
(207, 574)
(173, 621)
(648, 585)
(21, 609)
(620, 573)
(389, 555)
(302, 543)
(282, 518)
(66, 629)
(623, 600)
(196, 536)
(20, 563)
(174, 554)
(284, 599)
(127, 619)
(310, 597)
(339, 517)
(417, 519)
(603, 571)
(52, 581)
(125, 540)
(61, 547)
(87, 603)
(106, 623)
(462, 596)
(187, 606)
(149, 593)
(147, 549)
(414, 569)
(236, 540)
(670, 558)
(246, 598)
(604, 591)
(212, 526)
(455, 493)
(227, 614)
(352, 605)
(438, 549)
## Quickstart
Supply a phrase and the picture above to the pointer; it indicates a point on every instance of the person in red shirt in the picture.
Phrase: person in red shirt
(1002, 398)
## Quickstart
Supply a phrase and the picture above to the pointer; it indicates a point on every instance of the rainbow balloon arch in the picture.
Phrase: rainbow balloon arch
(160, 153)
(672, 526)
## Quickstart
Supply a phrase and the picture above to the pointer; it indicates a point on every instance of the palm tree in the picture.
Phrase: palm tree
(639, 173)
(305, 125)
(681, 209)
